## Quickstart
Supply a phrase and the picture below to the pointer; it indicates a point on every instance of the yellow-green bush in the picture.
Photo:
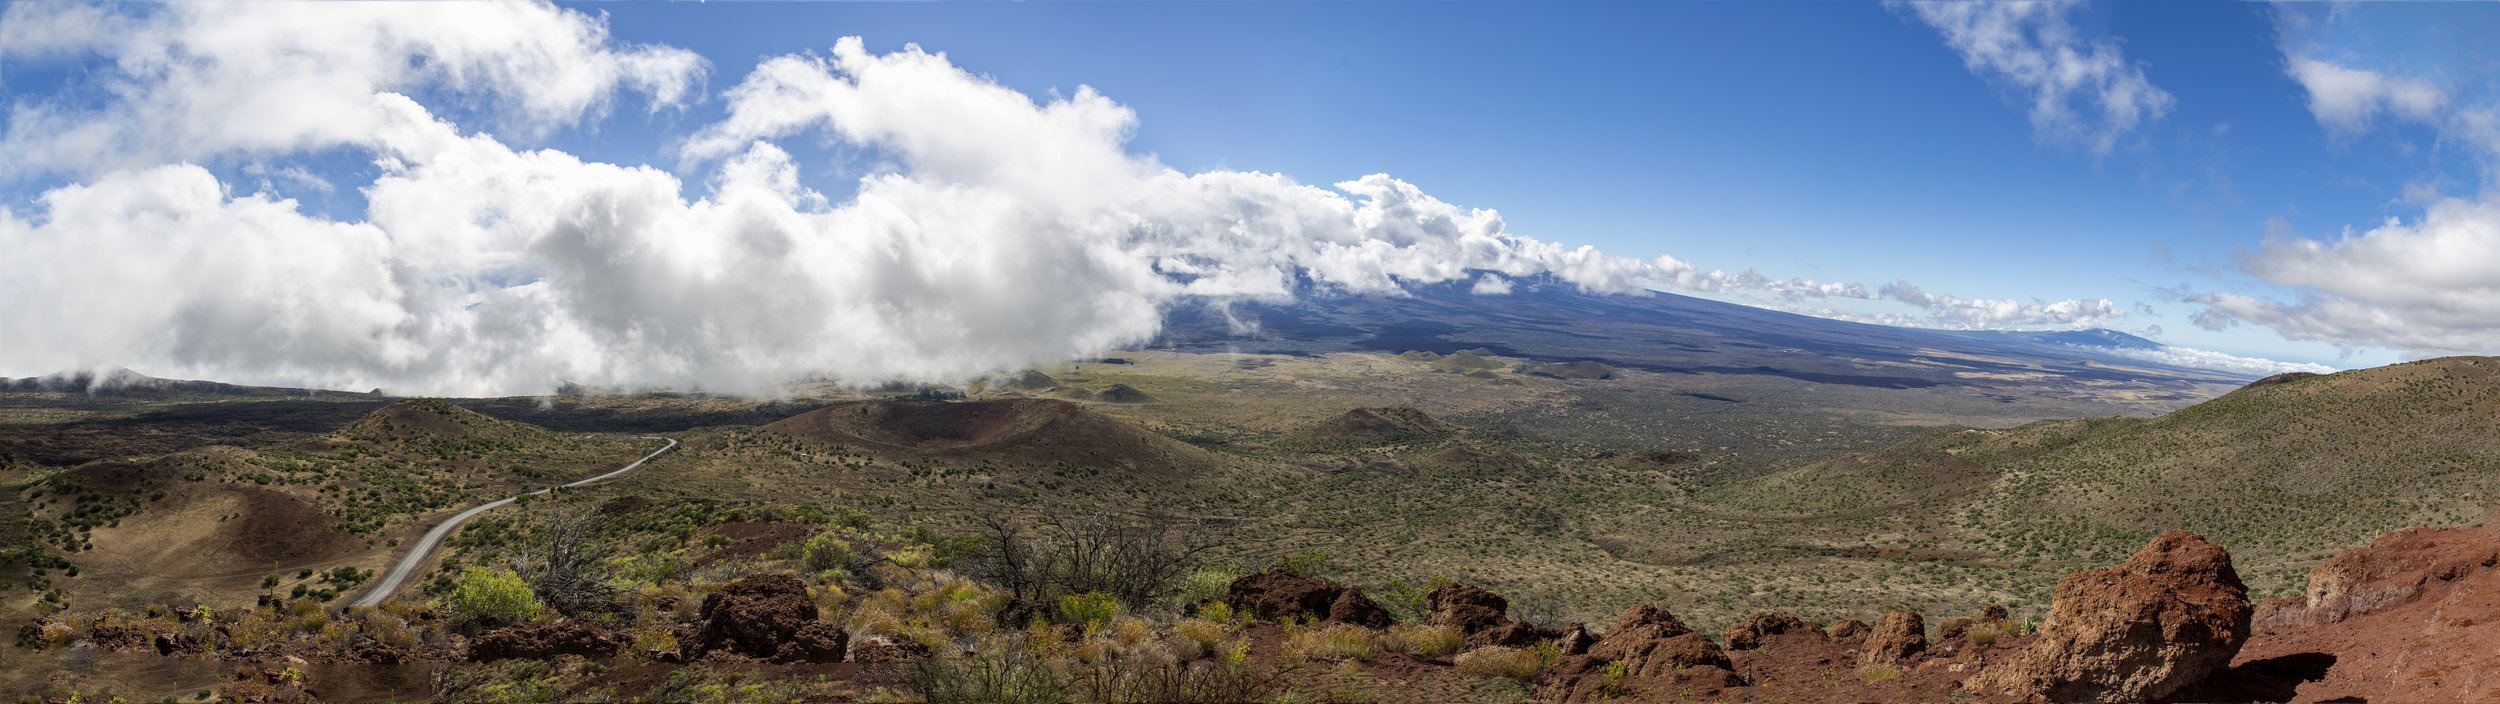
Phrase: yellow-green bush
(1094, 609)
(826, 551)
(497, 595)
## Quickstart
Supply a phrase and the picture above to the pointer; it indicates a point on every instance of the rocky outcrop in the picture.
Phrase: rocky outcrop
(1897, 638)
(1846, 630)
(1466, 606)
(1575, 640)
(1353, 607)
(2139, 631)
(2391, 570)
(1516, 634)
(1653, 646)
(1482, 616)
(1750, 634)
(1281, 593)
(1953, 628)
(765, 617)
(541, 641)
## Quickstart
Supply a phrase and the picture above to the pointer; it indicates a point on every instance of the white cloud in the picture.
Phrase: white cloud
(2206, 359)
(2081, 91)
(1008, 231)
(190, 81)
(2426, 287)
(1491, 284)
(2348, 99)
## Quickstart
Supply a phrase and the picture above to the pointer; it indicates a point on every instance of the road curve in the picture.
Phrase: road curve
(425, 546)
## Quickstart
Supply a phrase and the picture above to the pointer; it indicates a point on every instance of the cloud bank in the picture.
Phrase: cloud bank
(2081, 91)
(1007, 232)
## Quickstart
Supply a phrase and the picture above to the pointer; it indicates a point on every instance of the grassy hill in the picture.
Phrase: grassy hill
(213, 520)
(2282, 471)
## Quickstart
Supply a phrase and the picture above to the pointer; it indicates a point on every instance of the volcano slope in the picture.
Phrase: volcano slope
(2285, 471)
(210, 523)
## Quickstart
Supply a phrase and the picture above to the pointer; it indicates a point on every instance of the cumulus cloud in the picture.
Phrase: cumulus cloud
(189, 81)
(1007, 232)
(2081, 91)
(2427, 286)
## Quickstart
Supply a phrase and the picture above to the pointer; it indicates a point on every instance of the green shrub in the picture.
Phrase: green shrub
(495, 595)
(825, 552)
(1094, 609)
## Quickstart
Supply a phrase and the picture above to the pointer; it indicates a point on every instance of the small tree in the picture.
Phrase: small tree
(566, 565)
(495, 596)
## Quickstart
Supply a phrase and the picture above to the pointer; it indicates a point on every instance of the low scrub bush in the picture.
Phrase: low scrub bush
(1499, 661)
(495, 596)
(826, 551)
(1421, 641)
(997, 671)
(1094, 609)
(1343, 641)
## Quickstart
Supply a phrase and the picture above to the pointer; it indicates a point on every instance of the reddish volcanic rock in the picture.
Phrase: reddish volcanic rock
(1897, 638)
(1352, 607)
(2142, 630)
(1643, 615)
(1652, 645)
(1575, 641)
(817, 642)
(1750, 634)
(1516, 634)
(2390, 570)
(1846, 629)
(1953, 628)
(2413, 616)
(1470, 608)
(540, 641)
(1282, 593)
(764, 617)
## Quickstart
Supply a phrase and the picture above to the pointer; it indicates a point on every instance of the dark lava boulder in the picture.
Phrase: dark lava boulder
(1353, 607)
(1516, 634)
(541, 641)
(2164, 619)
(1750, 634)
(764, 617)
(1281, 593)
(1466, 606)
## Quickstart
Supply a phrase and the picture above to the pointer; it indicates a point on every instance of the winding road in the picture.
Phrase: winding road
(433, 538)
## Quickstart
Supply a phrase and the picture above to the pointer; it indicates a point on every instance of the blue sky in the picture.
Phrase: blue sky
(1838, 143)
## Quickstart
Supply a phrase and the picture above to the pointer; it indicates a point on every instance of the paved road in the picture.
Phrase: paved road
(425, 546)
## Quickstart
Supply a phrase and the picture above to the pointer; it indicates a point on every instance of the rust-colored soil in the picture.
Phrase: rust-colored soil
(2414, 616)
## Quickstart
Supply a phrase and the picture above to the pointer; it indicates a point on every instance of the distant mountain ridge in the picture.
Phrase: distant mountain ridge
(1663, 332)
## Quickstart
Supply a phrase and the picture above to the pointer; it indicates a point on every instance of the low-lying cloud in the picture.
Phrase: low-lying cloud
(1006, 232)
